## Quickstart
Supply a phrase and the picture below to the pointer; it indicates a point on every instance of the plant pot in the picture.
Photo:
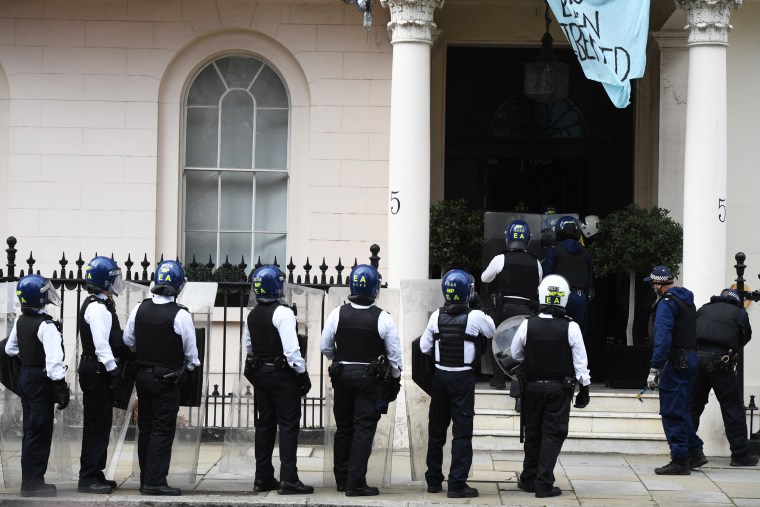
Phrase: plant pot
(628, 365)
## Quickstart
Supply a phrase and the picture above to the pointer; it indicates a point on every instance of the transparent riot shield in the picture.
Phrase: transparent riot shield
(238, 453)
(199, 298)
(502, 344)
(379, 465)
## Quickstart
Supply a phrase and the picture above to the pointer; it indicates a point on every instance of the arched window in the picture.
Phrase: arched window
(235, 176)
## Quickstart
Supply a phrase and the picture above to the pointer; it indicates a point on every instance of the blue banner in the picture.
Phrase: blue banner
(609, 38)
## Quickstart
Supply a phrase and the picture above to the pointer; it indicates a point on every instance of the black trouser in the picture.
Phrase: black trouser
(731, 405)
(504, 312)
(37, 405)
(356, 416)
(452, 400)
(97, 400)
(158, 405)
(546, 409)
(278, 401)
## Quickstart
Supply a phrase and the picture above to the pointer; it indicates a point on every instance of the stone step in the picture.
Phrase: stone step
(642, 443)
(587, 421)
(623, 401)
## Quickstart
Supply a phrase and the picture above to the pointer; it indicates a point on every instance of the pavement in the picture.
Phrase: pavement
(585, 480)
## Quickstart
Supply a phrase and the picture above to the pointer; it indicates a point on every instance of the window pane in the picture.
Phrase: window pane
(237, 196)
(238, 71)
(269, 246)
(235, 246)
(201, 195)
(237, 130)
(200, 245)
(271, 138)
(202, 133)
(269, 89)
(207, 88)
(271, 201)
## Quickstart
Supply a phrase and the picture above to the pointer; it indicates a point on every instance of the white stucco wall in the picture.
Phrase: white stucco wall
(94, 128)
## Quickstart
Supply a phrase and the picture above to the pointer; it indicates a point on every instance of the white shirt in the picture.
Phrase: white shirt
(100, 320)
(183, 326)
(497, 265)
(477, 323)
(386, 328)
(574, 338)
(285, 321)
(51, 341)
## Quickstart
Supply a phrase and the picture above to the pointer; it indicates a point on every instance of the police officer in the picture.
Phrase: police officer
(279, 380)
(162, 335)
(570, 259)
(723, 329)
(99, 374)
(37, 340)
(517, 274)
(551, 346)
(356, 335)
(454, 336)
(673, 329)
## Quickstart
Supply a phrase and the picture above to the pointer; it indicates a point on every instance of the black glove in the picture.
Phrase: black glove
(61, 394)
(305, 382)
(114, 379)
(581, 401)
(393, 388)
(476, 303)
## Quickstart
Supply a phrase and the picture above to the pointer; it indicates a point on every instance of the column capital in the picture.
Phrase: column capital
(707, 20)
(411, 20)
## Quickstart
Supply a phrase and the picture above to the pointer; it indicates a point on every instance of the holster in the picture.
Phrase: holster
(167, 375)
(334, 369)
(678, 359)
(722, 363)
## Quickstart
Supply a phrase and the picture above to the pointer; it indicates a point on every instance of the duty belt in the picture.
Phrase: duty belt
(545, 381)
(514, 300)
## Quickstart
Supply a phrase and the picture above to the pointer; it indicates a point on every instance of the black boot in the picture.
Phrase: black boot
(678, 466)
(696, 458)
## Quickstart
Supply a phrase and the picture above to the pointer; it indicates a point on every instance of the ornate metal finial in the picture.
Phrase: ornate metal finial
(707, 20)
(11, 256)
(374, 259)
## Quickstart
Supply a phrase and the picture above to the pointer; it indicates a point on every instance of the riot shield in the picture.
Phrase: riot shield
(10, 407)
(238, 452)
(423, 367)
(199, 299)
(379, 465)
(502, 344)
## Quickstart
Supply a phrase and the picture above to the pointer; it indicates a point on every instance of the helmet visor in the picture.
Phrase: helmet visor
(118, 283)
(52, 295)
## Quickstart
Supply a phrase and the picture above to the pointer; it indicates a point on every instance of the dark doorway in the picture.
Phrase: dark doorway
(503, 149)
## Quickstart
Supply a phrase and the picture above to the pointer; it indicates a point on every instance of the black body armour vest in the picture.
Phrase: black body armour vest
(156, 342)
(684, 334)
(573, 266)
(547, 351)
(115, 340)
(266, 344)
(519, 277)
(451, 335)
(357, 339)
(30, 348)
(716, 325)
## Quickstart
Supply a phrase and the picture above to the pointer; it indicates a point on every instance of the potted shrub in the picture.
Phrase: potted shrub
(631, 242)
(456, 238)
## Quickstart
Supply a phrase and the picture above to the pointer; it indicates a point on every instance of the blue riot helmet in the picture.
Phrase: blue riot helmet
(35, 291)
(169, 279)
(732, 296)
(567, 227)
(458, 287)
(364, 284)
(268, 283)
(518, 235)
(102, 273)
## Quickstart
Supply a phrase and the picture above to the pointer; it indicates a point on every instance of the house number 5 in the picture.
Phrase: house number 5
(721, 210)
(395, 203)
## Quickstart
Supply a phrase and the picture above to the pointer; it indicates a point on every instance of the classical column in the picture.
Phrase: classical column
(409, 158)
(705, 207)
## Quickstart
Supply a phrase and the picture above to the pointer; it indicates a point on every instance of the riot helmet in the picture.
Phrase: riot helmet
(590, 226)
(102, 273)
(169, 279)
(364, 284)
(553, 291)
(35, 291)
(732, 296)
(518, 235)
(567, 228)
(458, 287)
(268, 283)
